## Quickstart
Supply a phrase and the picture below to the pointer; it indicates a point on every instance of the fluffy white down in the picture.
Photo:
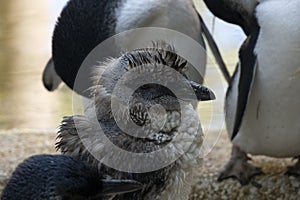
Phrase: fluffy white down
(271, 122)
(182, 180)
(186, 175)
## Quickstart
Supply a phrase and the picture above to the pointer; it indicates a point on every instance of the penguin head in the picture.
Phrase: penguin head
(145, 79)
(146, 85)
(48, 176)
(149, 76)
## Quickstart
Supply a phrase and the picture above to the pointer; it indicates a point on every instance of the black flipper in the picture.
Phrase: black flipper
(215, 50)
(50, 78)
(248, 62)
(115, 187)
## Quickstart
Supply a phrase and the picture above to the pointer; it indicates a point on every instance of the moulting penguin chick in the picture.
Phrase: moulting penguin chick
(161, 146)
(61, 177)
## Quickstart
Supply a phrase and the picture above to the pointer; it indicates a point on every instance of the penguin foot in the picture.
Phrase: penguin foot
(239, 168)
(294, 170)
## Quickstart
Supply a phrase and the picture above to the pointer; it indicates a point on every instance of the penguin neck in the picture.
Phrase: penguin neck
(247, 5)
(234, 11)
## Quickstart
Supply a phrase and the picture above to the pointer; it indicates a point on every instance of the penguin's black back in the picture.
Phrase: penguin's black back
(83, 25)
(52, 176)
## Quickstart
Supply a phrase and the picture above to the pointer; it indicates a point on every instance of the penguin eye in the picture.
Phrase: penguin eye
(145, 87)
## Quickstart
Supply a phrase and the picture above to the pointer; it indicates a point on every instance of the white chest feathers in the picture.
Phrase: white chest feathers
(178, 15)
(271, 123)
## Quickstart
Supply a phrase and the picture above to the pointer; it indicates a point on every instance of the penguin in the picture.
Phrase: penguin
(79, 136)
(83, 24)
(62, 177)
(261, 106)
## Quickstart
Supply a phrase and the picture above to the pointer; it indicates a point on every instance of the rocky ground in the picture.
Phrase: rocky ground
(17, 145)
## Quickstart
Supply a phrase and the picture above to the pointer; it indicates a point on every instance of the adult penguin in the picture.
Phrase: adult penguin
(83, 24)
(262, 101)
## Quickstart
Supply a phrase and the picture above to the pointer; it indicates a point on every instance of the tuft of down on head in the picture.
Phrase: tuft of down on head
(159, 61)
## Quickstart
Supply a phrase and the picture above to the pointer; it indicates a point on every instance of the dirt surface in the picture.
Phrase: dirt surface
(18, 145)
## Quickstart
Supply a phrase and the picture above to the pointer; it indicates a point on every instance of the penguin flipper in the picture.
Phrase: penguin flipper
(215, 50)
(106, 187)
(247, 64)
(116, 187)
(50, 78)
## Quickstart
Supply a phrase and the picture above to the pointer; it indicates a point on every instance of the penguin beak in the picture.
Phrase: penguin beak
(202, 93)
(114, 187)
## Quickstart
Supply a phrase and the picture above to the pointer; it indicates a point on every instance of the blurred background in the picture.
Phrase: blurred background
(25, 46)
(28, 111)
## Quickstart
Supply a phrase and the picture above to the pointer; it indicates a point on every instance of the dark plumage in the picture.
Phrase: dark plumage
(234, 11)
(61, 177)
(82, 25)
